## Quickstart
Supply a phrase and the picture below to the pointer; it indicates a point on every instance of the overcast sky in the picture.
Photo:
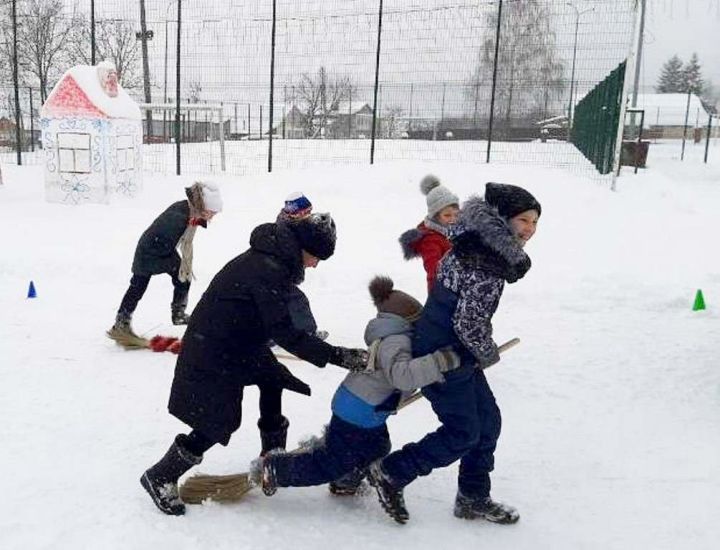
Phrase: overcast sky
(681, 27)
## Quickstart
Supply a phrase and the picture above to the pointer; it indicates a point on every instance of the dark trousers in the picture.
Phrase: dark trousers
(271, 419)
(138, 286)
(470, 428)
(346, 448)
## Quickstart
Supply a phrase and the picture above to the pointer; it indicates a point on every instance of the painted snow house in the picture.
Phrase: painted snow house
(92, 137)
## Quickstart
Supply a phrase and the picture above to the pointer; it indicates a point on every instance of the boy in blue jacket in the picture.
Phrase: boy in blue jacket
(357, 433)
(487, 252)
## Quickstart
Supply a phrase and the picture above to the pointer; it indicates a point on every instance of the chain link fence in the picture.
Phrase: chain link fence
(303, 83)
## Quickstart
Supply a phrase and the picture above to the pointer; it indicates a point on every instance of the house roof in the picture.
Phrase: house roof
(354, 107)
(78, 93)
(669, 109)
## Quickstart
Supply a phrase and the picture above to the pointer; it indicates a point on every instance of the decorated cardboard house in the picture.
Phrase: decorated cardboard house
(92, 137)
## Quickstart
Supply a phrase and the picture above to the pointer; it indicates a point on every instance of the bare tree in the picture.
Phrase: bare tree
(529, 72)
(44, 32)
(320, 95)
(116, 42)
(195, 89)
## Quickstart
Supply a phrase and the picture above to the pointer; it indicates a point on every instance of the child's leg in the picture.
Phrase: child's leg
(346, 448)
(454, 403)
(136, 290)
(476, 465)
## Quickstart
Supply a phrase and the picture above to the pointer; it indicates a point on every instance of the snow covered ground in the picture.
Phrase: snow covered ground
(611, 404)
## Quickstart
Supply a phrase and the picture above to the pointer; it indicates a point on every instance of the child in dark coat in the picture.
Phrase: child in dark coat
(225, 349)
(357, 433)
(429, 239)
(156, 253)
(487, 251)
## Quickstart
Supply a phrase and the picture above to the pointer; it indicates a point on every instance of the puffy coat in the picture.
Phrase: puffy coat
(225, 346)
(428, 241)
(155, 252)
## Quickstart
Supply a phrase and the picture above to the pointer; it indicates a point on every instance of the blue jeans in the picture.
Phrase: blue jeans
(346, 448)
(470, 428)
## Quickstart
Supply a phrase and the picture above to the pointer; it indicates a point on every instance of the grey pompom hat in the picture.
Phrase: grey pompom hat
(438, 196)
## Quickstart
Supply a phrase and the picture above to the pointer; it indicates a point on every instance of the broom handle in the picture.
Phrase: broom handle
(418, 394)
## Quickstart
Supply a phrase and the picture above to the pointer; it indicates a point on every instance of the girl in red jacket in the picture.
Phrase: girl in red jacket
(429, 239)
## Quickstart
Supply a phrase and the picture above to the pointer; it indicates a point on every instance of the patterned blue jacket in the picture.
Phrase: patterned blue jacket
(470, 281)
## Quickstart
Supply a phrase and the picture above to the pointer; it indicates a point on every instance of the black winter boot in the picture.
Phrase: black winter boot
(390, 496)
(122, 325)
(160, 481)
(349, 485)
(273, 438)
(485, 508)
(179, 317)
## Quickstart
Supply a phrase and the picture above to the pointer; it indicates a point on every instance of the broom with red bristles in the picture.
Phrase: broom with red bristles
(233, 487)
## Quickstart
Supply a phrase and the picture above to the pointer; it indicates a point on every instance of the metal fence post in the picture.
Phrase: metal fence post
(375, 93)
(494, 81)
(18, 144)
(177, 92)
(92, 32)
(687, 114)
(272, 87)
(707, 137)
(32, 121)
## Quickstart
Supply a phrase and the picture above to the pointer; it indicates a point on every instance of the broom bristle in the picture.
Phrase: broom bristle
(227, 488)
(128, 339)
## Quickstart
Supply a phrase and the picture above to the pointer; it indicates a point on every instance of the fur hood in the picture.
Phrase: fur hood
(485, 238)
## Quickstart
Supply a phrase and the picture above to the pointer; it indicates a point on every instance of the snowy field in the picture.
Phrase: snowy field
(611, 403)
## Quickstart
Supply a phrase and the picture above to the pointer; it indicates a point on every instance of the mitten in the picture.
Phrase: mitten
(354, 360)
(446, 359)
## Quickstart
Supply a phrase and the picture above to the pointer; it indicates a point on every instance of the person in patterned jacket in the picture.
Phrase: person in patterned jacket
(429, 239)
(487, 252)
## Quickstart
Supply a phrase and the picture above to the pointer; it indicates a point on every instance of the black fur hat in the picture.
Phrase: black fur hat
(388, 300)
(510, 200)
(316, 235)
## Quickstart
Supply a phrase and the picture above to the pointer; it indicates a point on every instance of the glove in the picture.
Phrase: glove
(446, 359)
(489, 360)
(354, 360)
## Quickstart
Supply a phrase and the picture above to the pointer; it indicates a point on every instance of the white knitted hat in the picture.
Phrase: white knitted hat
(211, 196)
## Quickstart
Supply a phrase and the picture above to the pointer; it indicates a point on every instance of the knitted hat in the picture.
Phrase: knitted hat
(297, 206)
(211, 196)
(510, 200)
(438, 196)
(316, 235)
(388, 300)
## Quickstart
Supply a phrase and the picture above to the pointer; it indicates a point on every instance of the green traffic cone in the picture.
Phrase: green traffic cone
(699, 303)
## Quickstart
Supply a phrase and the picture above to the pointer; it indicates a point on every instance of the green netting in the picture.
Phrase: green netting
(595, 124)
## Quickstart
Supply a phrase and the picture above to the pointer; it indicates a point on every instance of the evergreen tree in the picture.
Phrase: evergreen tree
(692, 76)
(671, 77)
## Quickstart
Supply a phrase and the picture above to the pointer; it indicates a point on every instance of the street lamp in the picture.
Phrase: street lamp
(578, 13)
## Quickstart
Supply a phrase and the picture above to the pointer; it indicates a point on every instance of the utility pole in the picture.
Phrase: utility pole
(144, 36)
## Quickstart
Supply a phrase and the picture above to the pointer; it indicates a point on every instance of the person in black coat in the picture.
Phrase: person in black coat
(225, 348)
(156, 253)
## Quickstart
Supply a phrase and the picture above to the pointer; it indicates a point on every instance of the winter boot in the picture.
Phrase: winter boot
(122, 324)
(390, 496)
(485, 508)
(349, 485)
(160, 481)
(179, 317)
(262, 472)
(275, 438)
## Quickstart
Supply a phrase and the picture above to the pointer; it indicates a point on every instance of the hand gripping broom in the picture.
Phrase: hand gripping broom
(232, 487)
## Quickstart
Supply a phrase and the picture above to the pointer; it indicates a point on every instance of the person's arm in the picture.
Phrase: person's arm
(432, 252)
(472, 319)
(407, 374)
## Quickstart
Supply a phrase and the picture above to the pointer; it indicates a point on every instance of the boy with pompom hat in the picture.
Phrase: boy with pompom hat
(487, 251)
(429, 239)
(357, 433)
(156, 252)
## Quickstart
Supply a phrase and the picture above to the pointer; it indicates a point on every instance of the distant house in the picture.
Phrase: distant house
(665, 114)
(92, 136)
(348, 120)
(8, 137)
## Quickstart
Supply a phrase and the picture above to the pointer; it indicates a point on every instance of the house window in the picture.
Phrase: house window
(74, 152)
(125, 154)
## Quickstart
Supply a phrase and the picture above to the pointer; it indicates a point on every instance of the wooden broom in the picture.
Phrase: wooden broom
(232, 487)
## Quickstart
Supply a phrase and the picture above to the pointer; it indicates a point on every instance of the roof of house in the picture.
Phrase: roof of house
(79, 93)
(670, 109)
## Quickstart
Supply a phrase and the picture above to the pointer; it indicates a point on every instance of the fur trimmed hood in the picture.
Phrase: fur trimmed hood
(486, 238)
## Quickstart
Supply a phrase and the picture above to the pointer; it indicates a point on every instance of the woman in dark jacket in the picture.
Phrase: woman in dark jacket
(155, 253)
(225, 348)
